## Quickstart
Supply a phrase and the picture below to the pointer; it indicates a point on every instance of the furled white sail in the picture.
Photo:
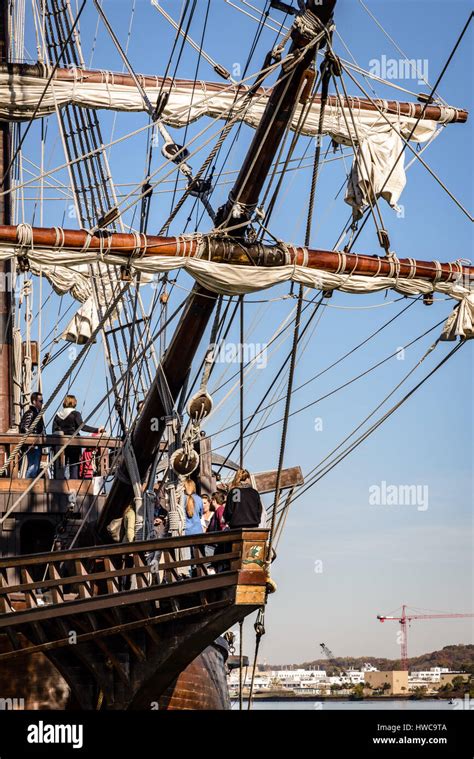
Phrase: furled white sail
(66, 270)
(374, 134)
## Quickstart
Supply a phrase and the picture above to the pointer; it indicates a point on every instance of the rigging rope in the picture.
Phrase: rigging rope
(259, 627)
(291, 371)
(53, 71)
(381, 420)
(340, 387)
(417, 121)
(241, 664)
(94, 410)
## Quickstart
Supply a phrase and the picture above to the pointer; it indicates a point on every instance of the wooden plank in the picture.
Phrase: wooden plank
(160, 544)
(149, 621)
(110, 576)
(82, 586)
(265, 482)
(107, 653)
(249, 577)
(113, 617)
(249, 595)
(206, 476)
(30, 597)
(97, 603)
(113, 573)
(82, 441)
(56, 591)
(142, 570)
(5, 605)
(63, 487)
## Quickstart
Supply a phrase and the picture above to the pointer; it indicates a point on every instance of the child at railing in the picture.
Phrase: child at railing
(88, 462)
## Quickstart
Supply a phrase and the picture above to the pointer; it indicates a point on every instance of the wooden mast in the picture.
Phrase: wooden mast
(200, 305)
(6, 268)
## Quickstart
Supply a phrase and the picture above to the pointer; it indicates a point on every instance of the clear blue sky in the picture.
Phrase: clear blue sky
(374, 558)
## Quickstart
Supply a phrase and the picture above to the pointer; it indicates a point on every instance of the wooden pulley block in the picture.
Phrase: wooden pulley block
(184, 462)
(200, 405)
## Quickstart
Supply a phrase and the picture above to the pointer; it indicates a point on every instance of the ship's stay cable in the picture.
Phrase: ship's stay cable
(186, 38)
(410, 61)
(69, 372)
(371, 195)
(417, 121)
(320, 471)
(235, 138)
(221, 336)
(251, 364)
(196, 73)
(354, 66)
(337, 361)
(100, 403)
(318, 468)
(380, 421)
(297, 133)
(285, 324)
(87, 132)
(127, 45)
(417, 155)
(271, 385)
(261, 75)
(367, 79)
(242, 388)
(225, 131)
(279, 388)
(340, 387)
(325, 76)
(280, 335)
(41, 98)
(259, 628)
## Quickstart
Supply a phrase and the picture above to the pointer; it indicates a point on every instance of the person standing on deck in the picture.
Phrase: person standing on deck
(193, 513)
(206, 519)
(128, 582)
(68, 421)
(243, 507)
(193, 509)
(207, 511)
(33, 453)
(217, 523)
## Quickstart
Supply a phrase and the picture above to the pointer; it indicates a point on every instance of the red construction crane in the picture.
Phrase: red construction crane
(407, 618)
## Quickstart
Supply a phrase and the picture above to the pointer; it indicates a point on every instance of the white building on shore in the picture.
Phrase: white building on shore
(318, 682)
(302, 679)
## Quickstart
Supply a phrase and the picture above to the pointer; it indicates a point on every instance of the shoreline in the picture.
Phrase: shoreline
(312, 697)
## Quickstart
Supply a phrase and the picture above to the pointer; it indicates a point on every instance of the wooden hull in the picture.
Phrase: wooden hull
(37, 684)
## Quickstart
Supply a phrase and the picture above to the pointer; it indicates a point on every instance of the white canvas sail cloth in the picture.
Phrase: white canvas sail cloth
(74, 279)
(65, 270)
(377, 144)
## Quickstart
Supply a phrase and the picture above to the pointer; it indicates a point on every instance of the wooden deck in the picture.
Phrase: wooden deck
(110, 625)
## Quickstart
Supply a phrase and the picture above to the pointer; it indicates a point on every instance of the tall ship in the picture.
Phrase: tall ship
(125, 305)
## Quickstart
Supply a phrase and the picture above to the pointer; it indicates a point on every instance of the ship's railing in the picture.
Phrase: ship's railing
(127, 573)
(104, 447)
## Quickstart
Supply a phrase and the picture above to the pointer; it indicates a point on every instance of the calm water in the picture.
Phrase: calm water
(354, 705)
